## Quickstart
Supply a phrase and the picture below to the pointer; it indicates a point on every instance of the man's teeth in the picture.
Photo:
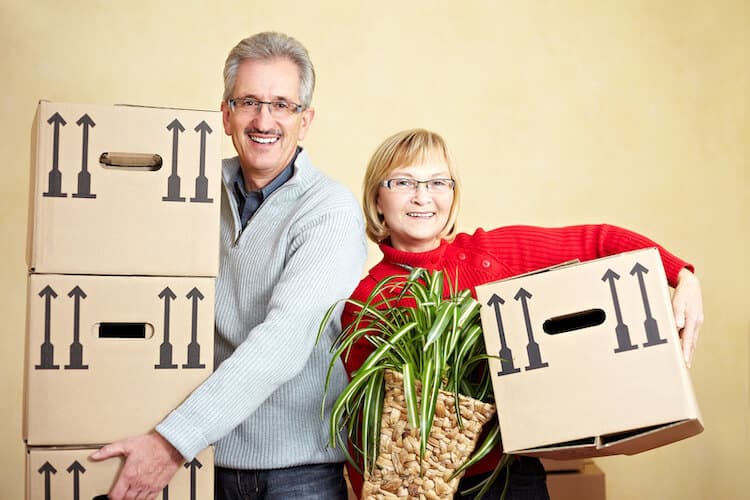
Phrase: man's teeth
(263, 140)
(420, 214)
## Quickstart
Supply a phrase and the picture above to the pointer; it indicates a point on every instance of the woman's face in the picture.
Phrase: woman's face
(416, 217)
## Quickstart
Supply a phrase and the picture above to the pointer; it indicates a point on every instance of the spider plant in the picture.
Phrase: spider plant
(433, 337)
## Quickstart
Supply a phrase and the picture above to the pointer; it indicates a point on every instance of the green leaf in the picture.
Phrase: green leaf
(442, 321)
(410, 394)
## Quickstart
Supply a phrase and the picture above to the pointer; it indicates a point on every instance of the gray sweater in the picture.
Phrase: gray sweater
(303, 250)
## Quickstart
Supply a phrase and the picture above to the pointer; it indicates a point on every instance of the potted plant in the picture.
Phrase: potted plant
(413, 412)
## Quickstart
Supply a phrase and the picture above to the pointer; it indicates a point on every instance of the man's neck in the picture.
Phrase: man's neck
(256, 180)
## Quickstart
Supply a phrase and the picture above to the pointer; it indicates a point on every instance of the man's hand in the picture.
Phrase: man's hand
(687, 304)
(150, 463)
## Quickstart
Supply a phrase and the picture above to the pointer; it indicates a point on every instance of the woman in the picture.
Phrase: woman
(411, 198)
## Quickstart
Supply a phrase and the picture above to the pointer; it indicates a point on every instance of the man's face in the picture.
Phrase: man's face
(266, 143)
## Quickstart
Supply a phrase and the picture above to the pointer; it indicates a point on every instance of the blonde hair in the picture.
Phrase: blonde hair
(405, 148)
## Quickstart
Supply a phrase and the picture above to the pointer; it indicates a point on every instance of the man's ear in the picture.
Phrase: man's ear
(307, 118)
(225, 117)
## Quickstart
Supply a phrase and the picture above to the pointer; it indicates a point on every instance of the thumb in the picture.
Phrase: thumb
(108, 451)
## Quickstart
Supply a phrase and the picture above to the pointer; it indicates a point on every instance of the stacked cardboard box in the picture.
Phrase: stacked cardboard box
(123, 256)
(574, 479)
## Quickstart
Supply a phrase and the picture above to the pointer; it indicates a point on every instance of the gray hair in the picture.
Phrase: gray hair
(266, 46)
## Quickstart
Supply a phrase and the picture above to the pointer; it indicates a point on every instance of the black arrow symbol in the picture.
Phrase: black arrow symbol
(194, 348)
(77, 469)
(84, 177)
(201, 182)
(193, 465)
(76, 349)
(652, 328)
(532, 348)
(621, 330)
(47, 350)
(47, 469)
(506, 356)
(165, 350)
(173, 182)
(54, 187)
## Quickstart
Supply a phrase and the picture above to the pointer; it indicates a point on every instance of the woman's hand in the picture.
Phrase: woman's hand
(687, 304)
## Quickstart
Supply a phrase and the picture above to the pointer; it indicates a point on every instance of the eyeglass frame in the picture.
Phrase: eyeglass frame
(450, 181)
(294, 107)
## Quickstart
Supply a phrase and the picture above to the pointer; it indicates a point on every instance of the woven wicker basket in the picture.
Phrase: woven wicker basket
(397, 472)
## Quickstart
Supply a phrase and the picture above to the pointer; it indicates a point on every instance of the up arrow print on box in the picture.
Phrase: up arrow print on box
(201, 182)
(76, 469)
(173, 182)
(76, 349)
(54, 186)
(194, 348)
(165, 350)
(84, 177)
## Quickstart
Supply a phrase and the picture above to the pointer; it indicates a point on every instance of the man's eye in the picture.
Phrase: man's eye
(249, 103)
(280, 105)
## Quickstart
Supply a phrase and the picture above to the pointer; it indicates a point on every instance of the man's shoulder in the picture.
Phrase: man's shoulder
(321, 187)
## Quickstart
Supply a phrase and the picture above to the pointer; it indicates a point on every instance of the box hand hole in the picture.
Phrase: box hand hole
(574, 321)
(131, 161)
(124, 330)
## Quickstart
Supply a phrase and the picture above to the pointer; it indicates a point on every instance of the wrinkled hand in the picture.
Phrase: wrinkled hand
(150, 463)
(687, 304)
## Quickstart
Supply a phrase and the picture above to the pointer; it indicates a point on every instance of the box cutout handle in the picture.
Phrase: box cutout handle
(131, 161)
(124, 330)
(574, 321)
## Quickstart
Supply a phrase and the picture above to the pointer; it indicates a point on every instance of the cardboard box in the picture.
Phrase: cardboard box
(108, 357)
(68, 474)
(552, 465)
(588, 484)
(124, 190)
(592, 364)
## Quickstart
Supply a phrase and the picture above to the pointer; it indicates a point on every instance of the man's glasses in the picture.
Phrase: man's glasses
(251, 106)
(406, 185)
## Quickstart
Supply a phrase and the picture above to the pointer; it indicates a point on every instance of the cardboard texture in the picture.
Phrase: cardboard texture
(108, 357)
(552, 465)
(112, 214)
(587, 484)
(591, 360)
(68, 474)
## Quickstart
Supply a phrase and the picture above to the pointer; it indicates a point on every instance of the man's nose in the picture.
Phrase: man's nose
(263, 118)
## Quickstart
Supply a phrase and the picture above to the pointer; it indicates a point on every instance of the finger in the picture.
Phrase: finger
(678, 306)
(689, 339)
(108, 451)
(119, 489)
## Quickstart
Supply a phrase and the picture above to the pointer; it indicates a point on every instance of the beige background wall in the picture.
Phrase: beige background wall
(635, 113)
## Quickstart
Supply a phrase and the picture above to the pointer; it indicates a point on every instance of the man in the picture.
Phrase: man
(292, 243)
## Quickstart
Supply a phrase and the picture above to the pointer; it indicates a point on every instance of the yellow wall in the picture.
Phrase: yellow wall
(631, 112)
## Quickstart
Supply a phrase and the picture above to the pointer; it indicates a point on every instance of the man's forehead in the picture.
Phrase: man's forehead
(277, 77)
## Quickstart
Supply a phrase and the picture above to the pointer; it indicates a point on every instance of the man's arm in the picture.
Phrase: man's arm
(324, 263)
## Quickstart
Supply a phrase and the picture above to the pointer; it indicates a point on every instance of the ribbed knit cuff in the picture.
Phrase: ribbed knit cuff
(188, 440)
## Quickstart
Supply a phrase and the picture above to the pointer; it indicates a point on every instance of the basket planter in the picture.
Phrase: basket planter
(398, 472)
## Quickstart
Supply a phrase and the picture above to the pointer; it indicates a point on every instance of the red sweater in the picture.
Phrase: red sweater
(488, 256)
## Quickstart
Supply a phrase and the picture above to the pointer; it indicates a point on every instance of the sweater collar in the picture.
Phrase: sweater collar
(432, 259)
